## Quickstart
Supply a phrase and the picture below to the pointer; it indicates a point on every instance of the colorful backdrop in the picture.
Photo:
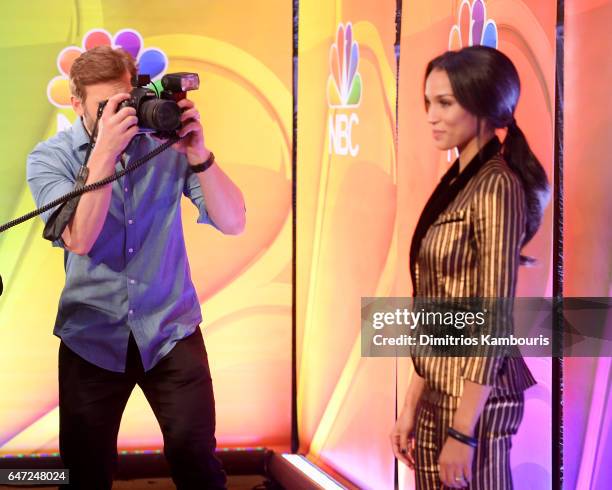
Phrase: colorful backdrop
(346, 231)
(244, 283)
(588, 234)
(360, 189)
(525, 31)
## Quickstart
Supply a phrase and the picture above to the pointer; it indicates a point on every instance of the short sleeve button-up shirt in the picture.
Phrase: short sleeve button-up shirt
(136, 277)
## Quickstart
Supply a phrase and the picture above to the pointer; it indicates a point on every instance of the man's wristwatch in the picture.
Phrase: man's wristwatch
(202, 167)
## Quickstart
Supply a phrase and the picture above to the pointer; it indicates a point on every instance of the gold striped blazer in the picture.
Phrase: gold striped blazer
(471, 250)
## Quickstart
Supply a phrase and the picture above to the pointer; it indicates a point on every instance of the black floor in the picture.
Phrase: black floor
(247, 482)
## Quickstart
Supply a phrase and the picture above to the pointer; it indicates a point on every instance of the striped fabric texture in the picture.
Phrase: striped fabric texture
(499, 421)
(472, 250)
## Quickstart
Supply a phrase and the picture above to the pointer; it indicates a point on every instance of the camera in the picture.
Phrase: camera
(156, 109)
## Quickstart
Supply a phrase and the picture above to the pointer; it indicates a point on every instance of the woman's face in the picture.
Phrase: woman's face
(452, 126)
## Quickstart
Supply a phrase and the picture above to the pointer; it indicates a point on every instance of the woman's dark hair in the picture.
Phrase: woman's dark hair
(486, 83)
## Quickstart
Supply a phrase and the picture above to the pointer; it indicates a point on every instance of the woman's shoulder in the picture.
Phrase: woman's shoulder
(496, 176)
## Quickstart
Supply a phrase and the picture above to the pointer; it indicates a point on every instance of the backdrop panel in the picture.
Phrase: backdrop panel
(588, 207)
(525, 31)
(243, 282)
(346, 235)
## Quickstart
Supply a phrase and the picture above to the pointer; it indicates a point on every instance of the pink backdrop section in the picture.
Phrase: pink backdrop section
(587, 233)
(526, 33)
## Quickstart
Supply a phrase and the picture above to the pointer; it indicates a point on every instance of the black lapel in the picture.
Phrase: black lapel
(443, 195)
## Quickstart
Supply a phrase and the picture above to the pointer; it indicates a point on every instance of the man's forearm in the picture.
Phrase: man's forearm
(88, 220)
(224, 201)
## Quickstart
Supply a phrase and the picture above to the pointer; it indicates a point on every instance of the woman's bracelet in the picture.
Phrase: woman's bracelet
(470, 441)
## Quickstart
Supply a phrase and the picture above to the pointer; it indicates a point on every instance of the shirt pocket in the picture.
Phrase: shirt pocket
(451, 217)
(164, 201)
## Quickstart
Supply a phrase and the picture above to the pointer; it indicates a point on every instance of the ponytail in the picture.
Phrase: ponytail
(486, 84)
(528, 168)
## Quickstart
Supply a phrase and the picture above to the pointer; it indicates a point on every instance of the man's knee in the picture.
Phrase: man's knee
(188, 441)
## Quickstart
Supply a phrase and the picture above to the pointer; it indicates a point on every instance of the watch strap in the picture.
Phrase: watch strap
(202, 167)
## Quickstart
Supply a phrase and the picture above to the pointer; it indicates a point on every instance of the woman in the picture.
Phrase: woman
(459, 415)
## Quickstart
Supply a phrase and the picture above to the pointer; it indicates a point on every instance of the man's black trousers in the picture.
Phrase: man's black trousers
(179, 390)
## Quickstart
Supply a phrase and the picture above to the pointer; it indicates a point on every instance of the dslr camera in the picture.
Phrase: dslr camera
(156, 108)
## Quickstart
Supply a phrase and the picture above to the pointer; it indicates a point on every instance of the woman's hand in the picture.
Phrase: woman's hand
(402, 437)
(456, 463)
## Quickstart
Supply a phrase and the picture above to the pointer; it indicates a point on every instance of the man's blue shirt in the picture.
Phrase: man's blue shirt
(136, 276)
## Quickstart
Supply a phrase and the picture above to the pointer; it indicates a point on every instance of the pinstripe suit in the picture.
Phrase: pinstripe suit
(467, 244)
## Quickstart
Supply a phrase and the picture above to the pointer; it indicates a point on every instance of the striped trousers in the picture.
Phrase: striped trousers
(498, 422)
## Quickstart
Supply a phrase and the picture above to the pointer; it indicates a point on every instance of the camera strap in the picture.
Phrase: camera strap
(91, 187)
(57, 222)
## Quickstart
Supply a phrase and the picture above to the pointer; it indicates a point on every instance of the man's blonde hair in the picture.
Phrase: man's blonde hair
(98, 65)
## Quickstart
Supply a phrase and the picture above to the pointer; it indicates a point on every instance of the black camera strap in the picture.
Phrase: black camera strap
(78, 191)
(81, 188)
(57, 222)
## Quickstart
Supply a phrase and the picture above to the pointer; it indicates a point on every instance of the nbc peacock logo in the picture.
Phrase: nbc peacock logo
(344, 90)
(344, 82)
(472, 27)
(151, 61)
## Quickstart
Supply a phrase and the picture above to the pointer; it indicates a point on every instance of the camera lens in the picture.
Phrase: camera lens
(161, 115)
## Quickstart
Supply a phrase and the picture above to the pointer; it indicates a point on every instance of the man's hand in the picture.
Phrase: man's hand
(116, 128)
(115, 131)
(224, 201)
(456, 463)
(192, 133)
(402, 437)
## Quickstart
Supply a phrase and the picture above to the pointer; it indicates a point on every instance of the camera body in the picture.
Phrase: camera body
(157, 110)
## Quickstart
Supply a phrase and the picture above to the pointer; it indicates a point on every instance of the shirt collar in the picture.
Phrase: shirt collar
(80, 136)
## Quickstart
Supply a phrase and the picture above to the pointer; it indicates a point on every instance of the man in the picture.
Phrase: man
(129, 313)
